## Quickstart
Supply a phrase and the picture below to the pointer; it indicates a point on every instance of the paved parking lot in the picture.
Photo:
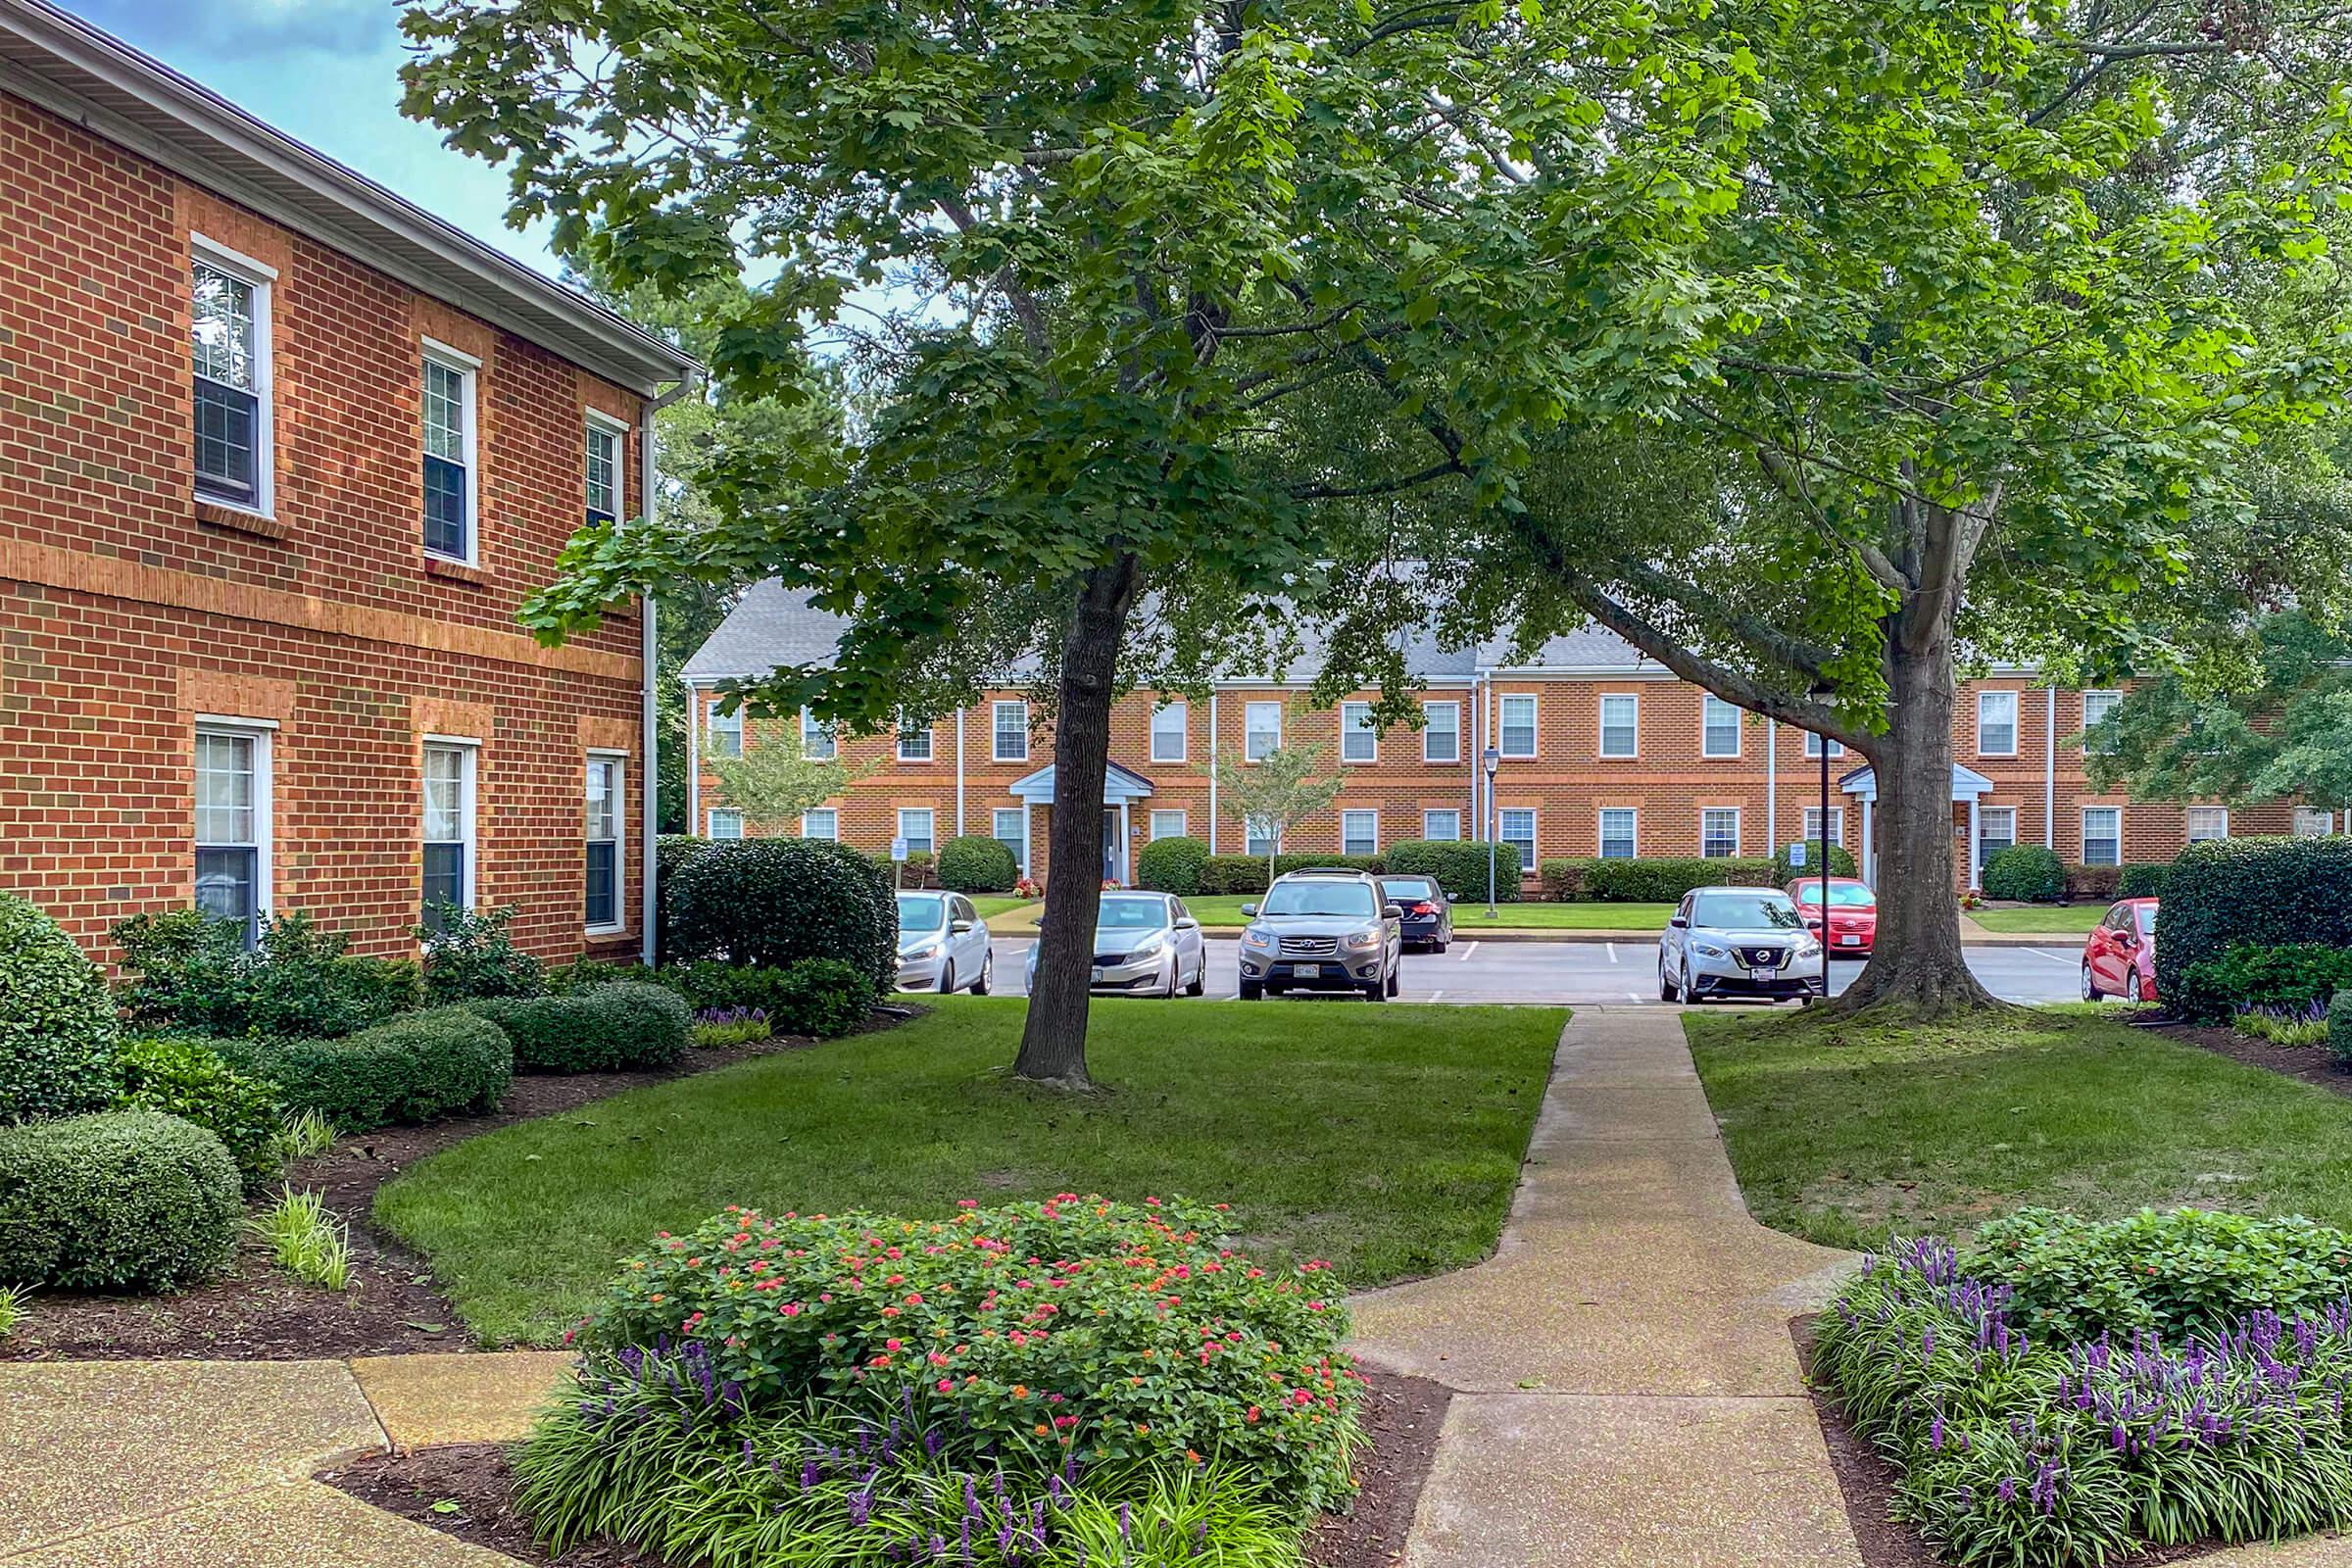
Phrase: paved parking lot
(1596, 972)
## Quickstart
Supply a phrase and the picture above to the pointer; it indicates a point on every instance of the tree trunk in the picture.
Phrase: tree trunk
(1053, 1040)
(1917, 964)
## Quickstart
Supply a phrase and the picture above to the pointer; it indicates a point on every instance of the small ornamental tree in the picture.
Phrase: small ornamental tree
(775, 779)
(1275, 792)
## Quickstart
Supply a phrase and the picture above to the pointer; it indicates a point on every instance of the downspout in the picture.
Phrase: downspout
(694, 758)
(1772, 786)
(2049, 770)
(960, 782)
(649, 655)
(1212, 771)
(1478, 752)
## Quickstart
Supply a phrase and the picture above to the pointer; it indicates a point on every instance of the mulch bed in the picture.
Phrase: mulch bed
(256, 1312)
(468, 1491)
(2307, 1064)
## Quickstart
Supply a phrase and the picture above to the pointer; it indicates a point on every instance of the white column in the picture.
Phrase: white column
(1126, 844)
(1869, 855)
(1975, 872)
(1028, 833)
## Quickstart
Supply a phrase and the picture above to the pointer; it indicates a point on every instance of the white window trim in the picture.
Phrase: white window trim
(1816, 743)
(809, 722)
(1246, 832)
(264, 279)
(1736, 826)
(1600, 837)
(470, 369)
(1247, 730)
(2015, 711)
(603, 423)
(1182, 735)
(2189, 812)
(1372, 812)
(1427, 731)
(1706, 702)
(1374, 735)
(1527, 863)
(1812, 835)
(620, 840)
(1600, 726)
(263, 732)
(1152, 823)
(996, 729)
(727, 724)
(898, 744)
(932, 837)
(2083, 838)
(468, 797)
(1441, 810)
(833, 812)
(1535, 725)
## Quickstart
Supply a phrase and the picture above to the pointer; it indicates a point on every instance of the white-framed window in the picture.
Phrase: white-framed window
(1262, 730)
(1517, 825)
(1621, 724)
(1812, 828)
(1360, 832)
(915, 741)
(233, 823)
(817, 823)
(1813, 747)
(1169, 723)
(1261, 837)
(2097, 706)
(451, 767)
(1442, 732)
(605, 437)
(1359, 742)
(450, 481)
(605, 813)
(2102, 835)
(1996, 830)
(1515, 730)
(1442, 826)
(1619, 836)
(1008, 731)
(2207, 823)
(1996, 724)
(2313, 823)
(817, 740)
(1011, 824)
(726, 733)
(1719, 832)
(726, 822)
(1718, 726)
(229, 295)
(914, 826)
(1168, 824)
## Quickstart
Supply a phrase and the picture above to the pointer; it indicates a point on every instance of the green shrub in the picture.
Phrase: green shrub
(670, 852)
(1172, 866)
(2143, 879)
(2025, 873)
(441, 1062)
(1227, 874)
(1664, 881)
(974, 864)
(775, 900)
(56, 1021)
(823, 998)
(581, 973)
(1459, 867)
(2339, 1028)
(123, 1200)
(1841, 863)
(2188, 1271)
(193, 972)
(2258, 892)
(470, 954)
(1564, 880)
(622, 1027)
(2093, 884)
(307, 1241)
(2291, 975)
(187, 1079)
(721, 1027)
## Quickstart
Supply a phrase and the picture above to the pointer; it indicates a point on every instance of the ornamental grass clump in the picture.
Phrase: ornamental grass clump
(2306, 1025)
(717, 1028)
(2044, 1453)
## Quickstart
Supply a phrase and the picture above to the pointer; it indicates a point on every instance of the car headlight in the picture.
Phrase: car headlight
(1361, 941)
(1255, 938)
(919, 954)
(1709, 949)
(1811, 949)
(1147, 947)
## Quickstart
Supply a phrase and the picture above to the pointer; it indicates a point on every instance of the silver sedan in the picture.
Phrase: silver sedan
(1146, 944)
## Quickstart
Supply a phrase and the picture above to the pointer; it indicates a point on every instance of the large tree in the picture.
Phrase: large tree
(1097, 273)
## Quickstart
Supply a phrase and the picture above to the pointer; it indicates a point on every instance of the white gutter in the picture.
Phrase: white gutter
(694, 758)
(2049, 774)
(1772, 785)
(1212, 771)
(960, 784)
(649, 473)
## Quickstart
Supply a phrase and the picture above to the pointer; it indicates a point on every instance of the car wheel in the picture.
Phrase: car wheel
(1665, 983)
(1376, 991)
(1397, 979)
(2147, 988)
(1200, 983)
(947, 978)
(1251, 991)
(2091, 987)
(1168, 991)
(1437, 945)
(1690, 991)
(988, 967)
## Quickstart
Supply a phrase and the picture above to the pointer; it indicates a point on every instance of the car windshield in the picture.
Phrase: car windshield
(1409, 889)
(2147, 919)
(919, 912)
(1320, 898)
(1745, 911)
(1843, 896)
(1132, 914)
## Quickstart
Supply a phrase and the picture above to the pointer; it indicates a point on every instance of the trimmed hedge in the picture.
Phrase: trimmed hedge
(774, 901)
(2025, 873)
(2093, 884)
(625, 1026)
(187, 1079)
(1664, 881)
(1246, 873)
(974, 864)
(2339, 1029)
(671, 851)
(2254, 892)
(472, 954)
(1172, 866)
(2144, 880)
(445, 1061)
(1841, 863)
(56, 1021)
(123, 1200)
(2291, 975)
(823, 998)
(193, 973)
(1459, 867)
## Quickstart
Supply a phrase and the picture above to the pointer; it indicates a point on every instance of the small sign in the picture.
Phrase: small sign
(1796, 854)
(897, 850)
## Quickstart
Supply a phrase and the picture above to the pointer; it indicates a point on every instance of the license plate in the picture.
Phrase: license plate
(1097, 974)
(1849, 941)
(1768, 971)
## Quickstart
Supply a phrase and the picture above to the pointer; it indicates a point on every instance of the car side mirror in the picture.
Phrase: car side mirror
(1392, 911)
(1678, 922)
(1250, 908)
(958, 927)
(1188, 923)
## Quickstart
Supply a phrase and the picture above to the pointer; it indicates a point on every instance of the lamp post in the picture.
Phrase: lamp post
(1821, 694)
(1491, 761)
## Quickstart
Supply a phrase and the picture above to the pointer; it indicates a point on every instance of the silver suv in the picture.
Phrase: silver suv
(1323, 930)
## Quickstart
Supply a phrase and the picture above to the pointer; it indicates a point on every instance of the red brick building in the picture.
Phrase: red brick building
(282, 455)
(1601, 752)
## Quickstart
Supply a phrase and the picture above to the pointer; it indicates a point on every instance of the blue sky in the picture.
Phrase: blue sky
(323, 71)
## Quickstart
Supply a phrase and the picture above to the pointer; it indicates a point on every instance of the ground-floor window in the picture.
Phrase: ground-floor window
(817, 823)
(1812, 829)
(914, 826)
(1518, 827)
(2311, 823)
(1012, 831)
(1618, 837)
(726, 822)
(1168, 824)
(603, 844)
(232, 826)
(1719, 832)
(1443, 826)
(1360, 832)
(2208, 822)
(449, 820)
(2102, 835)
(1996, 830)
(1262, 836)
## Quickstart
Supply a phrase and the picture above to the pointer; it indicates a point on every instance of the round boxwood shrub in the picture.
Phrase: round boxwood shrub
(1461, 867)
(1172, 866)
(2144, 880)
(444, 1061)
(775, 902)
(2258, 892)
(977, 864)
(622, 1027)
(1841, 863)
(123, 1200)
(823, 998)
(56, 1021)
(186, 1078)
(2026, 873)
(2339, 1029)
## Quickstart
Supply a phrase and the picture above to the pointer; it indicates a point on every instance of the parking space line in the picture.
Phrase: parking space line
(2054, 958)
(1466, 952)
(1434, 995)
(1612, 947)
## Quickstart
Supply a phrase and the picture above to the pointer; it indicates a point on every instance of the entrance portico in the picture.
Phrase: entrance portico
(1969, 789)
(1121, 789)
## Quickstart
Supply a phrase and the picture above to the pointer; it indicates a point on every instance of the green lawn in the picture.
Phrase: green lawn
(1842, 1133)
(1385, 1139)
(2067, 919)
(993, 904)
(1218, 911)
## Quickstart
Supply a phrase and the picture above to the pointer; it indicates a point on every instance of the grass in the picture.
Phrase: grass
(2059, 919)
(307, 1241)
(1385, 1139)
(993, 905)
(302, 1135)
(12, 1308)
(1219, 911)
(1842, 1133)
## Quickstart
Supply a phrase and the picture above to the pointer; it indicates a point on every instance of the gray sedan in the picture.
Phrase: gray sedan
(1146, 944)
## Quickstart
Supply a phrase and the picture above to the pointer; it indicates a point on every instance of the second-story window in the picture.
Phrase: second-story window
(1168, 722)
(1359, 742)
(1008, 732)
(231, 360)
(1516, 728)
(449, 422)
(1262, 730)
(604, 470)
(1996, 724)
(726, 733)
(817, 743)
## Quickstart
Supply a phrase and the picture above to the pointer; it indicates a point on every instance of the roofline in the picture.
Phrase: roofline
(234, 154)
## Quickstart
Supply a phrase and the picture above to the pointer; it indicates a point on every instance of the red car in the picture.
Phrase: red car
(1853, 913)
(2118, 957)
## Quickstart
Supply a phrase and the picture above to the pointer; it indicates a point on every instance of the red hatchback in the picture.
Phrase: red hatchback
(1853, 913)
(2118, 957)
